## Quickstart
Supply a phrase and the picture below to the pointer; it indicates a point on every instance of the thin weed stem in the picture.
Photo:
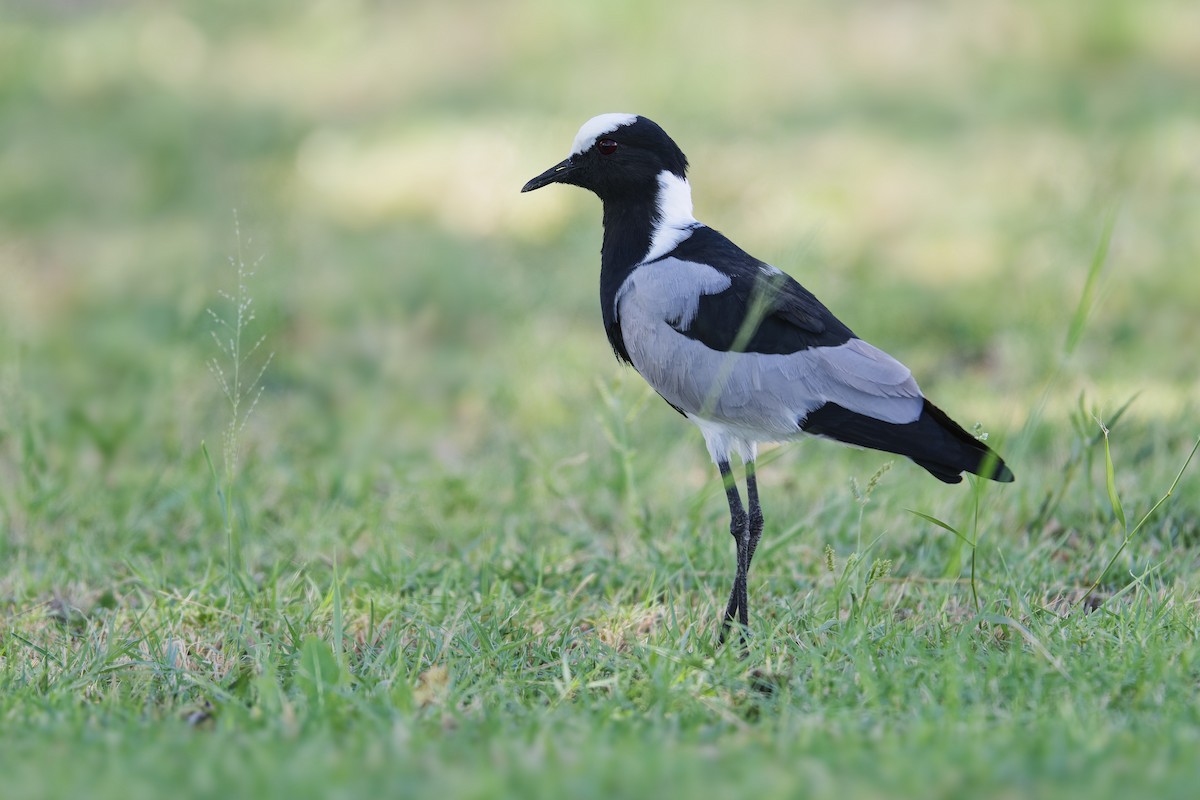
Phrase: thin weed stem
(240, 382)
(1110, 482)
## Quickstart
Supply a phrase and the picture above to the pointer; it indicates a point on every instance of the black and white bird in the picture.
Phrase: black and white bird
(734, 344)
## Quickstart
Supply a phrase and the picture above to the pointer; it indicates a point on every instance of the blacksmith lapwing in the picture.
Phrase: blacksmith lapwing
(734, 344)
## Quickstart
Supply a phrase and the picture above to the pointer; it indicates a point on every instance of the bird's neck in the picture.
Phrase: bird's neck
(628, 230)
(641, 229)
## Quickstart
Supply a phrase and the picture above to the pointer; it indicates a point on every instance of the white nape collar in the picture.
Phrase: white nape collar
(675, 220)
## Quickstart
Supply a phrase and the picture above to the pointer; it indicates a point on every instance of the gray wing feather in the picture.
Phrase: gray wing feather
(863, 378)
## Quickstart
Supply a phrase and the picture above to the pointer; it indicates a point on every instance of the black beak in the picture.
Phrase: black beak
(556, 174)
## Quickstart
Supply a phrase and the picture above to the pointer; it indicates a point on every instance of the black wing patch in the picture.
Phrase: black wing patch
(762, 311)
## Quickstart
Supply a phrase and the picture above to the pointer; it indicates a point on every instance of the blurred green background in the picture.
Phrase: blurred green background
(942, 175)
(939, 173)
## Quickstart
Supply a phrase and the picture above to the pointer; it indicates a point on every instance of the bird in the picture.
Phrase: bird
(734, 344)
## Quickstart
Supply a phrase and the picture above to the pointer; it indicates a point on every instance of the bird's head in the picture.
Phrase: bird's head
(617, 156)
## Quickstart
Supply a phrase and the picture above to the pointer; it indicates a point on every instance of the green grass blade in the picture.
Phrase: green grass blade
(1087, 296)
(944, 525)
(1110, 482)
(339, 626)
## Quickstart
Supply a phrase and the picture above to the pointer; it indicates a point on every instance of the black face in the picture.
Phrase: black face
(622, 163)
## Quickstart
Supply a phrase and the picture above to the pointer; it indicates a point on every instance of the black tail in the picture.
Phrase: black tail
(934, 441)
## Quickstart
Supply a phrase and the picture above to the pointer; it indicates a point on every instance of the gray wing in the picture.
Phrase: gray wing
(766, 393)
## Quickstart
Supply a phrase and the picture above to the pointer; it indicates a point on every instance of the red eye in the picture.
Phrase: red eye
(606, 147)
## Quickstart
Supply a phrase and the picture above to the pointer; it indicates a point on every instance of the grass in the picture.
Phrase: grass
(460, 550)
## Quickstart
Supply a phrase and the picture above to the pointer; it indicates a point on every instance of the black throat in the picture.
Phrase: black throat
(628, 228)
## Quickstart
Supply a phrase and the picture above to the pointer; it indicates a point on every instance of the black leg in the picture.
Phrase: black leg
(756, 514)
(739, 528)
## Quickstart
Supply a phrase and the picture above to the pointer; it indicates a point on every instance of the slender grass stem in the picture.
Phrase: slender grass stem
(1129, 534)
(240, 382)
